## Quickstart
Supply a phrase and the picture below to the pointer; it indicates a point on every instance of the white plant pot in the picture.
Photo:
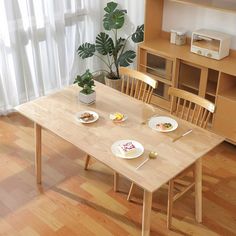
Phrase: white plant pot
(87, 98)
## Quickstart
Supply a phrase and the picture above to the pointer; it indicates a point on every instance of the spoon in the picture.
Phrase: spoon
(152, 155)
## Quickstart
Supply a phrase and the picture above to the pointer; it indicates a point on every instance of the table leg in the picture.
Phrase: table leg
(198, 190)
(147, 208)
(38, 152)
(116, 181)
(87, 162)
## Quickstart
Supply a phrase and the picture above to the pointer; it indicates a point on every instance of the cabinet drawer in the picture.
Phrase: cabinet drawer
(225, 118)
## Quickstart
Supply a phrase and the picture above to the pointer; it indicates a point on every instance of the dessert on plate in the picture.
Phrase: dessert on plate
(127, 149)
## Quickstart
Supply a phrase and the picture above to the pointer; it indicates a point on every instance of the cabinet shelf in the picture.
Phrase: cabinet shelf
(211, 88)
(158, 72)
(160, 79)
(230, 94)
(193, 84)
(165, 81)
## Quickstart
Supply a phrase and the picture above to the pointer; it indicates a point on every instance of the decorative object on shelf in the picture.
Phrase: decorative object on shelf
(209, 43)
(87, 95)
(178, 36)
(111, 49)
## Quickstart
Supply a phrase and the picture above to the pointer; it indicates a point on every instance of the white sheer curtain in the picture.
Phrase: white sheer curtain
(38, 42)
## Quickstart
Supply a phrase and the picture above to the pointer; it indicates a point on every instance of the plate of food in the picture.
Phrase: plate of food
(87, 117)
(163, 123)
(118, 117)
(127, 149)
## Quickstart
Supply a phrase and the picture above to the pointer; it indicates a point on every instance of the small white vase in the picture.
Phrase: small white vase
(87, 98)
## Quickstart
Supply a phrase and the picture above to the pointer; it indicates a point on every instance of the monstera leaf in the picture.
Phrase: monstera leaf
(111, 6)
(126, 58)
(137, 36)
(104, 44)
(86, 50)
(113, 18)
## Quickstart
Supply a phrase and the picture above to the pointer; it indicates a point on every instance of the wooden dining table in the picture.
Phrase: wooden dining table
(57, 113)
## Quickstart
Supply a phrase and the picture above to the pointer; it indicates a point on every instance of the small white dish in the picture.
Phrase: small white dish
(95, 115)
(116, 151)
(112, 117)
(154, 121)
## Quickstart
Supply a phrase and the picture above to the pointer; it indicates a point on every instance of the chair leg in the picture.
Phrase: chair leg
(130, 191)
(116, 181)
(170, 203)
(87, 162)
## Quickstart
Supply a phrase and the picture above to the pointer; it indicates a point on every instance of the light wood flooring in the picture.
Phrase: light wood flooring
(72, 201)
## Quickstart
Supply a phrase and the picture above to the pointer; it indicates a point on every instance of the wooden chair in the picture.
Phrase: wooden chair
(135, 84)
(194, 109)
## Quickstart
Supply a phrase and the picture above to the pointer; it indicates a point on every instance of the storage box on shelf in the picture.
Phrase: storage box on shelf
(173, 65)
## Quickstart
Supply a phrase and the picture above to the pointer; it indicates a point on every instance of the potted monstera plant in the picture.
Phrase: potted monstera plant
(109, 47)
(87, 95)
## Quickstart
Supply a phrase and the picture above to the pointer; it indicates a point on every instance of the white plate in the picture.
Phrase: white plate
(139, 149)
(118, 121)
(162, 119)
(95, 115)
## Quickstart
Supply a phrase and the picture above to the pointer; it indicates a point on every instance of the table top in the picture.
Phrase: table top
(57, 113)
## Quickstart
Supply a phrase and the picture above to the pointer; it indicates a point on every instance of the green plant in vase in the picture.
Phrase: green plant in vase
(86, 81)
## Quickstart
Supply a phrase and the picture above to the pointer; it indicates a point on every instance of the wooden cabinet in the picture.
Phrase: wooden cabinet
(173, 65)
(225, 117)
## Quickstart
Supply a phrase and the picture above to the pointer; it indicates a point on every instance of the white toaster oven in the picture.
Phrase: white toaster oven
(209, 43)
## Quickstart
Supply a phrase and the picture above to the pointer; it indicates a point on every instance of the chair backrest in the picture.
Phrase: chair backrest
(190, 107)
(137, 84)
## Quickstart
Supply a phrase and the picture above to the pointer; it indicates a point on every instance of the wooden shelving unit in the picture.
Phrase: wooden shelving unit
(230, 94)
(173, 65)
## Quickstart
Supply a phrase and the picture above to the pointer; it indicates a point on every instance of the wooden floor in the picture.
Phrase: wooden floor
(72, 201)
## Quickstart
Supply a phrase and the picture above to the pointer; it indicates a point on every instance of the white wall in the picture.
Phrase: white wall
(192, 18)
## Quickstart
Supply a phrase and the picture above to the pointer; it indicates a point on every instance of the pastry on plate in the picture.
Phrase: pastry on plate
(86, 116)
(127, 149)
